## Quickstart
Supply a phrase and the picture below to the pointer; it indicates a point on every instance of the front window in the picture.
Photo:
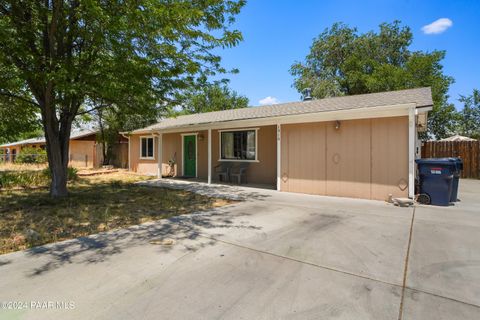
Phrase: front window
(238, 145)
(146, 147)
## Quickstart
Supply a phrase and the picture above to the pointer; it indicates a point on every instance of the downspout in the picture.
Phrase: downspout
(279, 157)
(209, 179)
(411, 150)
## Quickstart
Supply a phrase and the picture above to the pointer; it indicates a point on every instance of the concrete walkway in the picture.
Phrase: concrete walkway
(273, 256)
(224, 191)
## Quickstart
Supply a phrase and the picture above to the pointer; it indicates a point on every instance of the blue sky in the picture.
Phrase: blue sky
(277, 33)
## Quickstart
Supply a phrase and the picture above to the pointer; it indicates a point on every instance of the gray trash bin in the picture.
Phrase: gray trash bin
(456, 179)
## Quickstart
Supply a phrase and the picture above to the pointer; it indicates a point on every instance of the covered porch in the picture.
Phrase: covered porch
(217, 183)
(202, 155)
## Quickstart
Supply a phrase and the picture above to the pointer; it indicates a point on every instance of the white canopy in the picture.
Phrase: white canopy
(458, 137)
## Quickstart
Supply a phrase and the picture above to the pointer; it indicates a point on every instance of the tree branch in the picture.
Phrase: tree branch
(99, 107)
(4, 10)
(14, 96)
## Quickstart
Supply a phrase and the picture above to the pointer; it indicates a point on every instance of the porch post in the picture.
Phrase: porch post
(160, 155)
(279, 157)
(127, 136)
(209, 156)
(411, 152)
(129, 163)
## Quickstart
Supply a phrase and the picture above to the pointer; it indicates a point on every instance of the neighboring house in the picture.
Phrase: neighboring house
(84, 151)
(361, 146)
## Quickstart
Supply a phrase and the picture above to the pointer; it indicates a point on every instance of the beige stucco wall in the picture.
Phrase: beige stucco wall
(265, 170)
(172, 148)
(262, 172)
(365, 158)
(389, 157)
(82, 154)
(303, 158)
(362, 159)
(144, 166)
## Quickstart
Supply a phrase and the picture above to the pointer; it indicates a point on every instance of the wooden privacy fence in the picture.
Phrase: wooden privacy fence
(468, 151)
(119, 158)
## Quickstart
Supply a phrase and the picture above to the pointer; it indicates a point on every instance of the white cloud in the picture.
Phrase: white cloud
(437, 26)
(268, 100)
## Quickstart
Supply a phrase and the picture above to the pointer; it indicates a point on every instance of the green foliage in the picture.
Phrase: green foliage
(30, 178)
(24, 179)
(112, 120)
(212, 97)
(121, 52)
(203, 97)
(17, 123)
(469, 120)
(72, 173)
(343, 62)
(31, 155)
(63, 56)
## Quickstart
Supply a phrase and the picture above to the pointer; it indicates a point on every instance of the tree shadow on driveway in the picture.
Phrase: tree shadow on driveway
(185, 231)
(223, 191)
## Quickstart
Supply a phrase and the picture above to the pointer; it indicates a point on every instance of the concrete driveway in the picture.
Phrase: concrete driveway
(273, 256)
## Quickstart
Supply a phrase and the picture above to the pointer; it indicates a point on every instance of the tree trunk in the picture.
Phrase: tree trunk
(57, 137)
(106, 160)
(57, 152)
(58, 186)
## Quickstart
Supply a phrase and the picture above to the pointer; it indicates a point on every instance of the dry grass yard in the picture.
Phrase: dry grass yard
(97, 203)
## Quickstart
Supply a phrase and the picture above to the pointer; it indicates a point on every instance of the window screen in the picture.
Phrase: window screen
(238, 145)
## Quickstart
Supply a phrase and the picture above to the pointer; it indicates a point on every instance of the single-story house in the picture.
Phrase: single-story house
(360, 146)
(84, 151)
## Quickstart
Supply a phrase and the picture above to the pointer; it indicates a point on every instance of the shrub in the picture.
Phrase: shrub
(30, 178)
(12, 179)
(32, 155)
(72, 173)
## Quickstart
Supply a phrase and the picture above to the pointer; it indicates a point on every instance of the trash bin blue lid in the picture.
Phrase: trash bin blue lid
(456, 159)
(442, 161)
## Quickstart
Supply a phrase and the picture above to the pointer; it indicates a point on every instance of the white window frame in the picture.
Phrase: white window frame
(153, 144)
(237, 160)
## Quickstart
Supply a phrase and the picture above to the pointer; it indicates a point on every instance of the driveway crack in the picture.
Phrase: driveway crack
(405, 268)
(300, 261)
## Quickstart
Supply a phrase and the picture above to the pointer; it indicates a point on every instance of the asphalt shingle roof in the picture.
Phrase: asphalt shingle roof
(74, 135)
(422, 97)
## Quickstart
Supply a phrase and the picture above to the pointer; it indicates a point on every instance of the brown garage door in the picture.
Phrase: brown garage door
(360, 159)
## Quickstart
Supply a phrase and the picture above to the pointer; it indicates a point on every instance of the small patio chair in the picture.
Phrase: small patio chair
(222, 171)
(239, 172)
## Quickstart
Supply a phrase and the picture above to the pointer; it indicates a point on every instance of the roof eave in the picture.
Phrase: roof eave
(345, 114)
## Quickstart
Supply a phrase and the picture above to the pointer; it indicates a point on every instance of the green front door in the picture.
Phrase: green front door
(189, 156)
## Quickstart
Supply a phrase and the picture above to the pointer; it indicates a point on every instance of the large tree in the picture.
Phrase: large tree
(212, 97)
(56, 55)
(203, 97)
(111, 120)
(469, 116)
(343, 61)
